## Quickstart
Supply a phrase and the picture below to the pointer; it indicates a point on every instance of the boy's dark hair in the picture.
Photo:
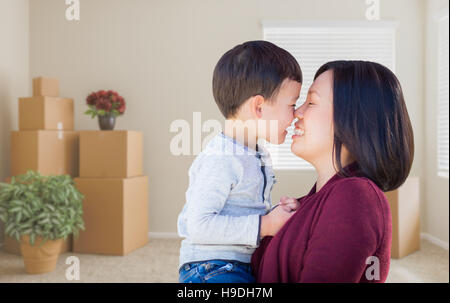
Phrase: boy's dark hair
(371, 121)
(250, 69)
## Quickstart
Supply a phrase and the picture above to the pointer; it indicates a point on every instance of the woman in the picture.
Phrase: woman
(355, 130)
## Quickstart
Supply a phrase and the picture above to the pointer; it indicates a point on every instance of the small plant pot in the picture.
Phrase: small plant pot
(106, 122)
(40, 259)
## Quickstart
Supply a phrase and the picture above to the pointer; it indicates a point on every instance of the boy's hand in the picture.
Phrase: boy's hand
(289, 204)
(273, 221)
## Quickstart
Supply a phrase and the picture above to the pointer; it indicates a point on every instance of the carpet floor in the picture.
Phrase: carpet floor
(158, 262)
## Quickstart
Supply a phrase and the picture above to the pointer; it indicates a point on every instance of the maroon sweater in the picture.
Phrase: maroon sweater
(331, 236)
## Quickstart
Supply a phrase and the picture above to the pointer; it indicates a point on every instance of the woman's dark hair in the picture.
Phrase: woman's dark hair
(250, 69)
(371, 121)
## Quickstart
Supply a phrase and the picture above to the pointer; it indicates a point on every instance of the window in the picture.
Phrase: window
(315, 43)
(442, 119)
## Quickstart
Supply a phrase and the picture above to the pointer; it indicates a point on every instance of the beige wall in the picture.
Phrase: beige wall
(435, 211)
(160, 56)
(14, 75)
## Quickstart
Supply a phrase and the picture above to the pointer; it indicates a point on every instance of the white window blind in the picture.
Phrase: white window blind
(316, 43)
(442, 119)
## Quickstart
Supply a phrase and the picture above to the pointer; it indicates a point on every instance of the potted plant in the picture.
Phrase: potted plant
(39, 212)
(107, 105)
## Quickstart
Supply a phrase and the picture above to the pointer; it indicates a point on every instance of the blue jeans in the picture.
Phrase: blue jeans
(216, 271)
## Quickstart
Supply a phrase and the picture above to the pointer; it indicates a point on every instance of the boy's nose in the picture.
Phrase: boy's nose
(298, 113)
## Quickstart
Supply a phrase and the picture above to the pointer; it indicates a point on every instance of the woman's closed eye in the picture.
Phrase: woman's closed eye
(308, 103)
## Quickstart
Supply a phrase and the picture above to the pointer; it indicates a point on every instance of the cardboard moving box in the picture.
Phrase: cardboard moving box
(110, 154)
(405, 209)
(48, 152)
(115, 214)
(10, 245)
(45, 87)
(46, 113)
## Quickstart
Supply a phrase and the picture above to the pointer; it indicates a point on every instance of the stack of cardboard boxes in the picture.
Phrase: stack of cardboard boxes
(46, 141)
(115, 208)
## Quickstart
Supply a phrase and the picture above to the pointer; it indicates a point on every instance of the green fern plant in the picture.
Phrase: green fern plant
(45, 206)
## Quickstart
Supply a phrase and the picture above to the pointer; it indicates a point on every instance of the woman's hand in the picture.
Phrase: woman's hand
(289, 204)
(273, 221)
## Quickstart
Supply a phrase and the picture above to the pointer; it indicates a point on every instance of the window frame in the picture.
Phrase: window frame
(441, 16)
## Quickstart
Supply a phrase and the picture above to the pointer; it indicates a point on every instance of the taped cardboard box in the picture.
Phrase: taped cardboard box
(110, 154)
(48, 152)
(405, 210)
(115, 214)
(46, 113)
(45, 87)
(10, 245)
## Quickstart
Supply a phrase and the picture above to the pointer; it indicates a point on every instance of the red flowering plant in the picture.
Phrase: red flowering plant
(104, 103)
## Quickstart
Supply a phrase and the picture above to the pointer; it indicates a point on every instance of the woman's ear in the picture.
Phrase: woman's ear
(256, 106)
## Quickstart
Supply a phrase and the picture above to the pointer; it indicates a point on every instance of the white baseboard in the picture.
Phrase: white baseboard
(163, 235)
(434, 240)
(154, 235)
(174, 235)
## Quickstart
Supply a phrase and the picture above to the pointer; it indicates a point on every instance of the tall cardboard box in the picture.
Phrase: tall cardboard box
(111, 154)
(115, 214)
(405, 209)
(48, 152)
(10, 245)
(46, 113)
(45, 87)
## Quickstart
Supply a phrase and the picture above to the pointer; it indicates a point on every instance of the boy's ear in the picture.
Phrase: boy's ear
(256, 105)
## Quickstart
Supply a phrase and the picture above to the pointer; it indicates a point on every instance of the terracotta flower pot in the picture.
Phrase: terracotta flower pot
(40, 259)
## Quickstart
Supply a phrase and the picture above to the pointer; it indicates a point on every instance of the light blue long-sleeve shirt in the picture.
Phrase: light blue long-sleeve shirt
(229, 189)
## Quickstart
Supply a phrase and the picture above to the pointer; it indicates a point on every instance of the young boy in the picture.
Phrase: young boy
(228, 204)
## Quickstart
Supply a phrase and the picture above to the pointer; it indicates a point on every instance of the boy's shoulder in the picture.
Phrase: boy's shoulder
(223, 145)
(223, 152)
(226, 148)
(215, 153)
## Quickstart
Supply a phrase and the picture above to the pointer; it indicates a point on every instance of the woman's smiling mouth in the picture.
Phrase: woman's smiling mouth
(298, 133)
